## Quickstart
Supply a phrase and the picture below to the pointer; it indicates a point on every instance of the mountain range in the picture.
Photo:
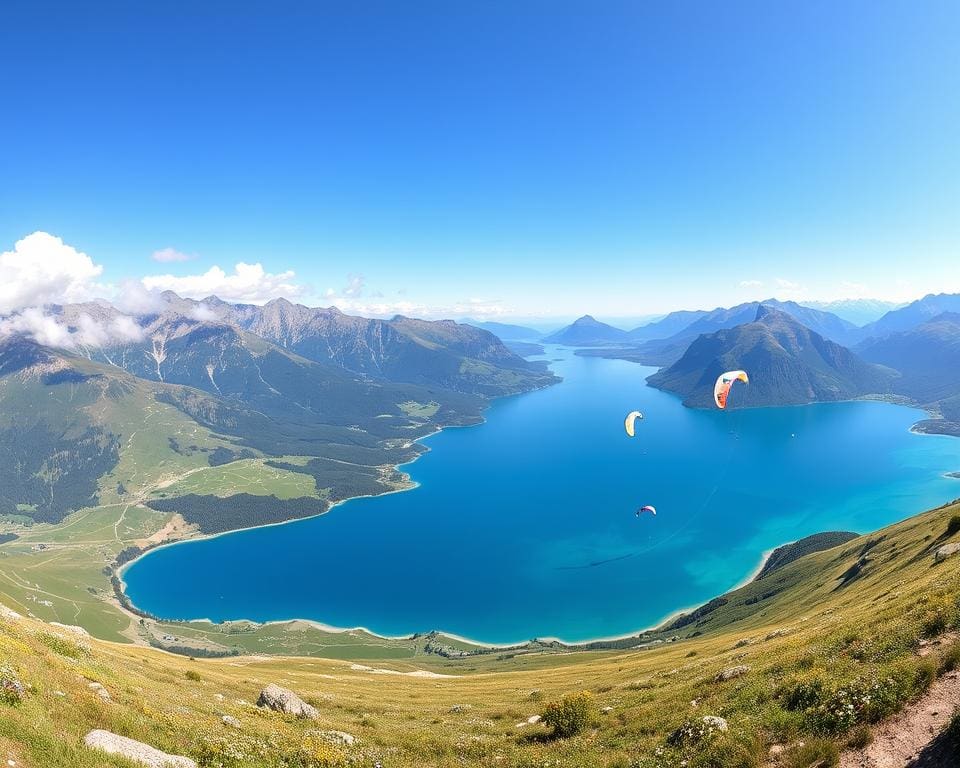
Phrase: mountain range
(343, 399)
(440, 353)
(788, 364)
(674, 329)
(506, 331)
(106, 414)
(912, 315)
(927, 357)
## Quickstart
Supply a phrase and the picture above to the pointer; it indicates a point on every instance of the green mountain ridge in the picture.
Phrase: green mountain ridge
(788, 364)
(187, 389)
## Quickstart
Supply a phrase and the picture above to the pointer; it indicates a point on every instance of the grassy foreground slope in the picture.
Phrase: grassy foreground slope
(828, 643)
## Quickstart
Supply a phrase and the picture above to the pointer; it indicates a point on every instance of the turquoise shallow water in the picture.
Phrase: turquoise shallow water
(524, 526)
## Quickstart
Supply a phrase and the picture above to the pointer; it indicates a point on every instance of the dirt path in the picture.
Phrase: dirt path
(910, 738)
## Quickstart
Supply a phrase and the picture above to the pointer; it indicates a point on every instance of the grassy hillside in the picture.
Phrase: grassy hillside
(830, 642)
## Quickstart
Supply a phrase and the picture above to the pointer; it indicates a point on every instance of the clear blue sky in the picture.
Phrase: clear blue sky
(542, 158)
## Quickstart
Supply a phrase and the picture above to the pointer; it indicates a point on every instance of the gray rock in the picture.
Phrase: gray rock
(8, 614)
(231, 721)
(732, 672)
(945, 551)
(532, 720)
(715, 723)
(136, 751)
(283, 700)
(98, 688)
(338, 738)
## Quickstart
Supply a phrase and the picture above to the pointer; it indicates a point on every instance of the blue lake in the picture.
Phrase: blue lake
(524, 526)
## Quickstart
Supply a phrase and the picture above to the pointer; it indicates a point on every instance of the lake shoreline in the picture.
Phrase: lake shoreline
(573, 645)
(127, 605)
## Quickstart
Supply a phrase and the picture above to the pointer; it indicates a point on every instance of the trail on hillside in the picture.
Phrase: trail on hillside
(912, 738)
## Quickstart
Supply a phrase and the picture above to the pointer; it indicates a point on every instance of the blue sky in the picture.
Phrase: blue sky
(499, 158)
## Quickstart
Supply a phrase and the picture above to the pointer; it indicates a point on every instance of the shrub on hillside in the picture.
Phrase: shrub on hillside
(570, 715)
(924, 675)
(937, 615)
(802, 694)
(954, 525)
(727, 753)
(866, 699)
(698, 743)
(12, 690)
(860, 737)
(782, 725)
(950, 659)
(815, 753)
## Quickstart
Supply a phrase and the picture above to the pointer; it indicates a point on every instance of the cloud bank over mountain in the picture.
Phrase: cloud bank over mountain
(42, 269)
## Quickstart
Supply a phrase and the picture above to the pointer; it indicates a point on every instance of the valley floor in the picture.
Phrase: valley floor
(870, 623)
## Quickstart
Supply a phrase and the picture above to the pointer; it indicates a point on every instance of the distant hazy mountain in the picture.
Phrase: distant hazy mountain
(587, 331)
(506, 331)
(857, 311)
(644, 346)
(824, 323)
(718, 319)
(787, 363)
(668, 326)
(662, 343)
(927, 357)
(912, 315)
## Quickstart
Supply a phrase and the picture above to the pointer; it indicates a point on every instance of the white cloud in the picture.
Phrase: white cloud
(751, 283)
(352, 290)
(203, 313)
(168, 255)
(124, 328)
(51, 331)
(249, 283)
(355, 285)
(39, 326)
(42, 269)
(787, 289)
(134, 298)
